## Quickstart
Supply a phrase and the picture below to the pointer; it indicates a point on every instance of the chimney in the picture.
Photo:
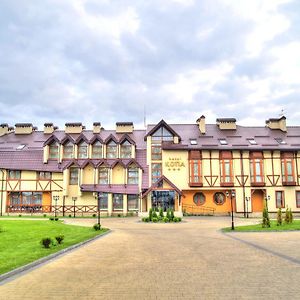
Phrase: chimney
(124, 127)
(226, 123)
(201, 124)
(73, 127)
(277, 123)
(3, 129)
(23, 128)
(48, 128)
(96, 127)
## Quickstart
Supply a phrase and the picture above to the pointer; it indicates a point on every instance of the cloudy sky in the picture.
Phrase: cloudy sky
(109, 61)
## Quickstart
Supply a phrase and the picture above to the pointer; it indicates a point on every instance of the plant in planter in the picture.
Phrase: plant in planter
(46, 242)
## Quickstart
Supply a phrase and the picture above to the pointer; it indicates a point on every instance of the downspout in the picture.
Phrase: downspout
(2, 183)
(243, 182)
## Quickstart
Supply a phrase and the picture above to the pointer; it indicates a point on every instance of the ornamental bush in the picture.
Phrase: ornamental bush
(56, 219)
(266, 219)
(291, 216)
(279, 217)
(287, 216)
(165, 219)
(154, 220)
(46, 242)
(161, 213)
(154, 215)
(169, 215)
(172, 214)
(150, 214)
(97, 226)
(59, 238)
(51, 218)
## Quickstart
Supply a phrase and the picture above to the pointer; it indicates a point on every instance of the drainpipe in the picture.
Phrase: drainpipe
(2, 183)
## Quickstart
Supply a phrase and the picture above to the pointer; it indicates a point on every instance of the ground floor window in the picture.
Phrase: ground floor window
(163, 199)
(279, 199)
(117, 201)
(199, 198)
(26, 198)
(103, 201)
(298, 198)
(219, 198)
(133, 202)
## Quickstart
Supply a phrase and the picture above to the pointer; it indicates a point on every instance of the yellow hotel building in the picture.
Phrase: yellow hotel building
(193, 168)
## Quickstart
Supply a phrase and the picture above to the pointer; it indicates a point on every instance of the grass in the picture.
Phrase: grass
(20, 240)
(258, 227)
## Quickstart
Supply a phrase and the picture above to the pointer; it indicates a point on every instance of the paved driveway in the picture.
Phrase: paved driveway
(190, 260)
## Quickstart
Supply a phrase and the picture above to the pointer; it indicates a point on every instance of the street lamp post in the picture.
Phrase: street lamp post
(268, 198)
(247, 210)
(74, 200)
(98, 202)
(232, 195)
(55, 198)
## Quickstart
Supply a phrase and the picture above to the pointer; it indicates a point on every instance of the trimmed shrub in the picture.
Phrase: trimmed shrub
(119, 215)
(165, 219)
(172, 213)
(291, 216)
(150, 214)
(46, 242)
(51, 218)
(161, 213)
(279, 217)
(287, 216)
(146, 219)
(175, 219)
(20, 215)
(70, 216)
(97, 226)
(179, 219)
(56, 219)
(169, 215)
(44, 215)
(154, 220)
(154, 215)
(94, 215)
(266, 219)
(59, 238)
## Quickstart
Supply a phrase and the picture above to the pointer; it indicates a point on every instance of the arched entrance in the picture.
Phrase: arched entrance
(257, 199)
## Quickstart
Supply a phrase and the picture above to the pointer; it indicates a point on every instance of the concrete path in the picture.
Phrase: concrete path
(189, 260)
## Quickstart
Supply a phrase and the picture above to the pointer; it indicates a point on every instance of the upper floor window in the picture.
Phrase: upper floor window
(226, 168)
(97, 150)
(156, 172)
(133, 175)
(53, 150)
(14, 174)
(156, 151)
(74, 176)
(287, 168)
(83, 150)
(112, 150)
(195, 168)
(256, 168)
(68, 150)
(126, 150)
(279, 199)
(44, 175)
(103, 175)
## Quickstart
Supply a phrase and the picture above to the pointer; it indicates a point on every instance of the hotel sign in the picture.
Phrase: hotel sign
(174, 164)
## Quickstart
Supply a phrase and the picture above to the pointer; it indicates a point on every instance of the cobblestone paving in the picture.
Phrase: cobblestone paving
(188, 260)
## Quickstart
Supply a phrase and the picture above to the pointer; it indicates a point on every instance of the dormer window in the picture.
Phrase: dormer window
(223, 142)
(112, 150)
(68, 150)
(97, 150)
(252, 141)
(126, 150)
(83, 150)
(53, 150)
(162, 134)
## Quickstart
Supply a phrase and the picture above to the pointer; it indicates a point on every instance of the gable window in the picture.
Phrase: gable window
(97, 150)
(298, 199)
(155, 172)
(279, 199)
(126, 150)
(83, 150)
(53, 150)
(256, 169)
(287, 168)
(195, 168)
(159, 136)
(103, 175)
(14, 174)
(226, 168)
(133, 175)
(74, 176)
(44, 175)
(68, 150)
(112, 150)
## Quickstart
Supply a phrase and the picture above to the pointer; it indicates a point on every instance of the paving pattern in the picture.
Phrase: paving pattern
(188, 260)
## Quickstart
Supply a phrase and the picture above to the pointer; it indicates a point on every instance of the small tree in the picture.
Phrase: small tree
(161, 213)
(169, 215)
(266, 219)
(287, 216)
(172, 214)
(279, 217)
(150, 214)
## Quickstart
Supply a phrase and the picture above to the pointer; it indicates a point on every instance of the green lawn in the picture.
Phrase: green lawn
(284, 227)
(20, 240)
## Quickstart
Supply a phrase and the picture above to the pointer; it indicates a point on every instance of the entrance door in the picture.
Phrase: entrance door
(163, 199)
(257, 201)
